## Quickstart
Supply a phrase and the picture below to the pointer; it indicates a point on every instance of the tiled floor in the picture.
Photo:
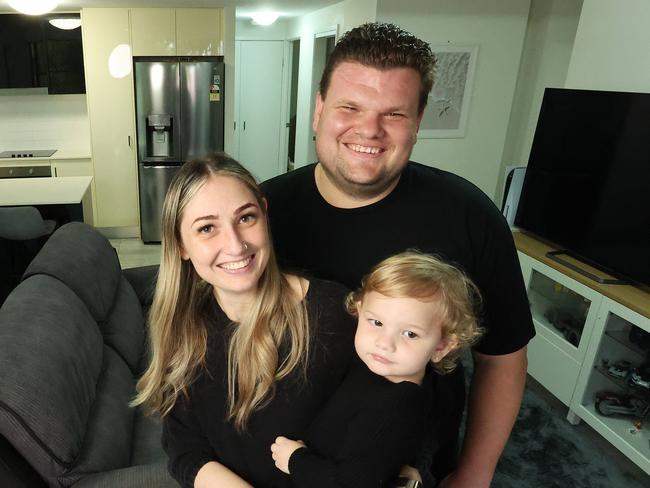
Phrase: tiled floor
(134, 253)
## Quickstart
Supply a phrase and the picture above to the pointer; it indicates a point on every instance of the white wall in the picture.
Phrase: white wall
(545, 59)
(612, 47)
(277, 31)
(340, 17)
(498, 27)
(44, 122)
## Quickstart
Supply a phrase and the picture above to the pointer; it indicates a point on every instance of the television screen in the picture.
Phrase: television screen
(587, 185)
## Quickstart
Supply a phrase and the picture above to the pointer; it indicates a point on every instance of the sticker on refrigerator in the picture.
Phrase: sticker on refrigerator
(215, 90)
(215, 93)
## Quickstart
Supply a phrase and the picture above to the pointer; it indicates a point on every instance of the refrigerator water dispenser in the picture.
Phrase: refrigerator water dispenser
(159, 135)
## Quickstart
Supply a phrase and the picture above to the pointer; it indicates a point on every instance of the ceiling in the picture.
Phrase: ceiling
(289, 8)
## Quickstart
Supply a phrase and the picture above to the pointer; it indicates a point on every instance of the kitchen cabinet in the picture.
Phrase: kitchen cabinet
(590, 337)
(198, 32)
(176, 32)
(153, 31)
(81, 167)
(34, 54)
(106, 37)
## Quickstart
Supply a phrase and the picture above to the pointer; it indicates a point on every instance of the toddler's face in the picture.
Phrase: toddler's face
(396, 337)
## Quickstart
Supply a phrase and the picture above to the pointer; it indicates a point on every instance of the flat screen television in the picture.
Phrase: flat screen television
(587, 184)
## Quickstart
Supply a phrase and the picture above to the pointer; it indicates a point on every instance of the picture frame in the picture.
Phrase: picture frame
(445, 115)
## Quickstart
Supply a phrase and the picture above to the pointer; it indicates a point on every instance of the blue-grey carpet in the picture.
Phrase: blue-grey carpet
(546, 451)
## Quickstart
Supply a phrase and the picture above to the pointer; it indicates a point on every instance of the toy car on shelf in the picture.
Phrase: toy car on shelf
(640, 377)
(619, 370)
(609, 404)
(564, 320)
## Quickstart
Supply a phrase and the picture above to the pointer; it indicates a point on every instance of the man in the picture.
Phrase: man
(364, 200)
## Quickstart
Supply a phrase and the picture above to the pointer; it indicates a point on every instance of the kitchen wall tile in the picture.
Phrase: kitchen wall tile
(44, 122)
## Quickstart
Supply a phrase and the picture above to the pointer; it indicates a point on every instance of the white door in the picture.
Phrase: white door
(259, 96)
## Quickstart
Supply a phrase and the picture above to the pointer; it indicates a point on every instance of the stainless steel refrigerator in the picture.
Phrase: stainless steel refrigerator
(179, 116)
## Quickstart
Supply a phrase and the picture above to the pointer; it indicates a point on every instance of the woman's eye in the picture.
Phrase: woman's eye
(410, 334)
(244, 219)
(205, 229)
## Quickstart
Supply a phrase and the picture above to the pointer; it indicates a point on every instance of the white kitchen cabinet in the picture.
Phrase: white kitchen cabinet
(198, 32)
(83, 167)
(153, 31)
(76, 167)
(111, 111)
(595, 326)
(176, 32)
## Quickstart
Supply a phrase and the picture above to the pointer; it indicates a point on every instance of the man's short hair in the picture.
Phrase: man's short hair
(383, 46)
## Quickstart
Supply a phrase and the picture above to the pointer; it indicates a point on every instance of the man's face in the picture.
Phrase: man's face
(366, 127)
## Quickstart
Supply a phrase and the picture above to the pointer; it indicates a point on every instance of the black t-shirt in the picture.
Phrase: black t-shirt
(430, 210)
(196, 431)
(365, 433)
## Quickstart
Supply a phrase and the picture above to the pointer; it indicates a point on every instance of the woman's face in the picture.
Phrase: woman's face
(224, 234)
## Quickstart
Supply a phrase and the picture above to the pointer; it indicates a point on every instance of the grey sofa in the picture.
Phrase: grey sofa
(72, 345)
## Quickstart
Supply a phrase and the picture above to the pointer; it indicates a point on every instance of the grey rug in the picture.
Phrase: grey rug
(546, 451)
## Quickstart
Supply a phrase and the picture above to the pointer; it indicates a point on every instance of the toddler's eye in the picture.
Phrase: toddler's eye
(410, 334)
(375, 322)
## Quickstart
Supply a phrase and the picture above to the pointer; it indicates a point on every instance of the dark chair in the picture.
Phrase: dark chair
(22, 234)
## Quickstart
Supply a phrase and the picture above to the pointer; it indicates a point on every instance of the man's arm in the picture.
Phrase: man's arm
(495, 397)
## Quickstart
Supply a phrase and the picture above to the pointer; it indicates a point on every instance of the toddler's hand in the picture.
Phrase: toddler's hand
(281, 451)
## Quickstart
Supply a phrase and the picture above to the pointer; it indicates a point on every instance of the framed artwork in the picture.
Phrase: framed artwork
(445, 115)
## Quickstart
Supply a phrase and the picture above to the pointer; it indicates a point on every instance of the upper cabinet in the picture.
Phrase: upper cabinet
(176, 32)
(35, 54)
(153, 31)
(198, 32)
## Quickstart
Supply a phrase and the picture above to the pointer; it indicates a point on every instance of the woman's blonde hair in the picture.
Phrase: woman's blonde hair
(414, 274)
(178, 334)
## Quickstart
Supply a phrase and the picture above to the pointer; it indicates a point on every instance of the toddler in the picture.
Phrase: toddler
(415, 313)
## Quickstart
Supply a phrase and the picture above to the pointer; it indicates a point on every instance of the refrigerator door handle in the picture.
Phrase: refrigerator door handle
(158, 166)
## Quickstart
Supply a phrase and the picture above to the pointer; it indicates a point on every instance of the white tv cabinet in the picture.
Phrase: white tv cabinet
(582, 326)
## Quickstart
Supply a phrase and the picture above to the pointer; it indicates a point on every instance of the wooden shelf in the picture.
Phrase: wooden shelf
(631, 296)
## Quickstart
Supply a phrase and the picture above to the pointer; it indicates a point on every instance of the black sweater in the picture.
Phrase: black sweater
(196, 432)
(368, 430)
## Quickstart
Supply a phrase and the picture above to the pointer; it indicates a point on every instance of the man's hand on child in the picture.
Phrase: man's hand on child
(281, 451)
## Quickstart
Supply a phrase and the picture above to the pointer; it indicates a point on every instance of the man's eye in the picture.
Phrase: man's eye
(375, 322)
(395, 115)
(410, 334)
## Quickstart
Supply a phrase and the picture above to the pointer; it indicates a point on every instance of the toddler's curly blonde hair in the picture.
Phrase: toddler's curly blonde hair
(414, 274)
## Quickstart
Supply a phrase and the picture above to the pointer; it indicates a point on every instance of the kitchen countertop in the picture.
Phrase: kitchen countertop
(61, 154)
(43, 191)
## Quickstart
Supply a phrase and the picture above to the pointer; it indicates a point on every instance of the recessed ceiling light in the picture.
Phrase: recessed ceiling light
(65, 24)
(264, 18)
(33, 7)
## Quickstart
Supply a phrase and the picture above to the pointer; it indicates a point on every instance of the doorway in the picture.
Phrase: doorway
(293, 101)
(323, 46)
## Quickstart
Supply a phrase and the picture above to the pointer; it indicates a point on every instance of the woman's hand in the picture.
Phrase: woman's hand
(281, 451)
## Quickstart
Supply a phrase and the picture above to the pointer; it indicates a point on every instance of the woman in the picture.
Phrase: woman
(241, 352)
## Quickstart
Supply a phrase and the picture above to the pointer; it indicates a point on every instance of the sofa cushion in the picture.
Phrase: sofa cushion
(108, 438)
(143, 476)
(83, 259)
(64, 403)
(124, 329)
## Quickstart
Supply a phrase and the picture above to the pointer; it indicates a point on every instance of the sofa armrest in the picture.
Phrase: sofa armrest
(143, 280)
(15, 471)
